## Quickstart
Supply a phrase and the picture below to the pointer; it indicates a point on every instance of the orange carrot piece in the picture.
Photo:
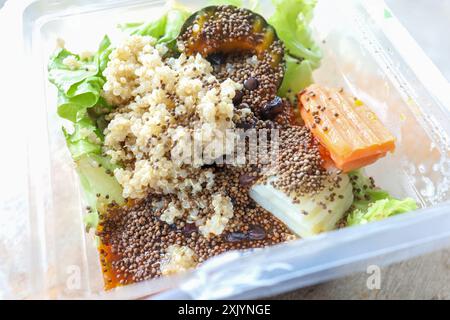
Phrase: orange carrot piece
(348, 129)
(359, 163)
(328, 163)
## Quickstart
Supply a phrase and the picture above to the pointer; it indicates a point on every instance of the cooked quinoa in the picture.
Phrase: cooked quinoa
(163, 103)
(178, 259)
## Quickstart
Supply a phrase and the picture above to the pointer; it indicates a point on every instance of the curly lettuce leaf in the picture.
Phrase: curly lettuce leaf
(372, 203)
(381, 209)
(80, 97)
(64, 76)
(165, 29)
(79, 83)
(84, 139)
(291, 20)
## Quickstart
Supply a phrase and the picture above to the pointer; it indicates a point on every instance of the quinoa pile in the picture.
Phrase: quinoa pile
(162, 105)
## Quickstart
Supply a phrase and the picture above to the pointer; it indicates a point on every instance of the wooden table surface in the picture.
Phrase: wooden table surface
(425, 277)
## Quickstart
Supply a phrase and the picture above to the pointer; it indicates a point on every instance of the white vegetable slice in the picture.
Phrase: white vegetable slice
(292, 214)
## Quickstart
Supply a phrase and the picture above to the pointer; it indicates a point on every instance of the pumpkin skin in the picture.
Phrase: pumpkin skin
(206, 33)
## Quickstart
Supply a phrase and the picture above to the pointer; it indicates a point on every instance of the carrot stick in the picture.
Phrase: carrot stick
(352, 134)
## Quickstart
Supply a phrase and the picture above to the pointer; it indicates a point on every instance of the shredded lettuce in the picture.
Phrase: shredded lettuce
(291, 20)
(166, 28)
(79, 82)
(372, 203)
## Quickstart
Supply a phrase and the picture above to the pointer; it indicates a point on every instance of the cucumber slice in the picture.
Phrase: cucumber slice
(292, 214)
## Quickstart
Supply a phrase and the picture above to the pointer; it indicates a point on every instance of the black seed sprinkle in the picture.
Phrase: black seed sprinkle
(272, 108)
(251, 83)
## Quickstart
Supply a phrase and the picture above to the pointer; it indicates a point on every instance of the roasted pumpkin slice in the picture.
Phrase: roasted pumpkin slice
(242, 46)
(229, 29)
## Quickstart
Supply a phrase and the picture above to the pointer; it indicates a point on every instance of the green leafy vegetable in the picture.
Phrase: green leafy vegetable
(372, 203)
(79, 82)
(64, 76)
(380, 210)
(291, 20)
(100, 187)
(253, 5)
(166, 28)
(102, 55)
(236, 3)
(297, 76)
(153, 28)
(94, 169)
(174, 22)
(80, 97)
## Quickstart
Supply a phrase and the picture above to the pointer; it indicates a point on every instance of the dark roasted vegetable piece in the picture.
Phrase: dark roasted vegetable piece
(228, 29)
(237, 37)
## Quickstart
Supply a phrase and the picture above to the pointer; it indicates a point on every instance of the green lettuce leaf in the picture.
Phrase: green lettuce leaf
(99, 185)
(84, 139)
(372, 203)
(174, 22)
(381, 209)
(166, 28)
(65, 77)
(80, 97)
(94, 169)
(297, 76)
(236, 3)
(291, 20)
(80, 84)
(102, 55)
(79, 87)
(154, 28)
(253, 5)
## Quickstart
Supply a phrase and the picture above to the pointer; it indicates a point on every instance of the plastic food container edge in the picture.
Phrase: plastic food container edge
(242, 275)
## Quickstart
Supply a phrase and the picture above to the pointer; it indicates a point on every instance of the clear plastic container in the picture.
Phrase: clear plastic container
(365, 50)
